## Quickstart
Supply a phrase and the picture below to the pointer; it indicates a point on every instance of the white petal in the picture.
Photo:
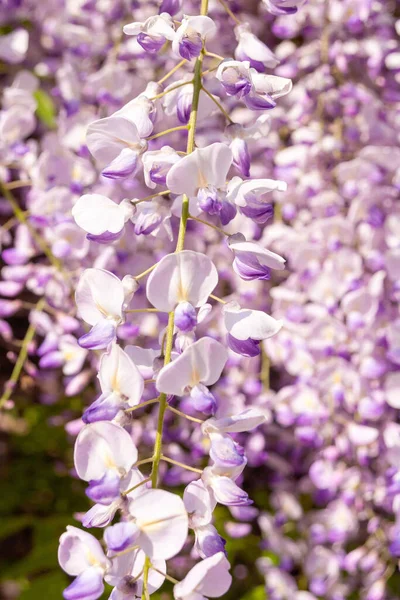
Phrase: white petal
(205, 26)
(244, 323)
(266, 257)
(120, 375)
(183, 277)
(106, 138)
(392, 389)
(239, 191)
(163, 521)
(14, 46)
(271, 84)
(210, 577)
(96, 214)
(199, 504)
(202, 362)
(203, 167)
(99, 294)
(133, 28)
(102, 446)
(79, 550)
(244, 421)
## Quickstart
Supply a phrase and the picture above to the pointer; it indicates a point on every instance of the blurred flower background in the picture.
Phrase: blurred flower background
(324, 471)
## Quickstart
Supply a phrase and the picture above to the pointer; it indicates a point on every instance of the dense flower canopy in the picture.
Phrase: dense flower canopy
(201, 225)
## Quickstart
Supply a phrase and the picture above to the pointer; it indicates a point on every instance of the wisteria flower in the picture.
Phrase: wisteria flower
(101, 298)
(152, 33)
(199, 366)
(162, 523)
(283, 7)
(251, 49)
(101, 218)
(121, 385)
(202, 175)
(116, 145)
(251, 260)
(186, 277)
(82, 556)
(246, 328)
(191, 35)
(104, 454)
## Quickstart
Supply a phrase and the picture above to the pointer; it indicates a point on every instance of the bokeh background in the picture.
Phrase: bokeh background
(323, 472)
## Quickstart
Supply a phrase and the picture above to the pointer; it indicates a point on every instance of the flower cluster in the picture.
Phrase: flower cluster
(144, 218)
(147, 191)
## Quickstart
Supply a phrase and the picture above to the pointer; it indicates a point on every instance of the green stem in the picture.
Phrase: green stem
(172, 71)
(180, 464)
(146, 272)
(19, 365)
(230, 13)
(171, 130)
(164, 193)
(209, 225)
(143, 482)
(171, 89)
(184, 415)
(218, 299)
(197, 84)
(218, 104)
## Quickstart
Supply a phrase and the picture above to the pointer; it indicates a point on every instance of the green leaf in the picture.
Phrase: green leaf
(46, 110)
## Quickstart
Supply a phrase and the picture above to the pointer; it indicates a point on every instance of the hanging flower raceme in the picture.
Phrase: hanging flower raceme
(185, 351)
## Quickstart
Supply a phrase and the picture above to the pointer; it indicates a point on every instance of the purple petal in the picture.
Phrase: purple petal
(51, 360)
(226, 453)
(260, 213)
(121, 536)
(249, 347)
(101, 334)
(183, 108)
(103, 409)
(185, 317)
(256, 102)
(249, 268)
(228, 212)
(228, 493)
(203, 400)
(122, 166)
(87, 586)
(150, 44)
(105, 238)
(170, 6)
(190, 46)
(241, 156)
(106, 489)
